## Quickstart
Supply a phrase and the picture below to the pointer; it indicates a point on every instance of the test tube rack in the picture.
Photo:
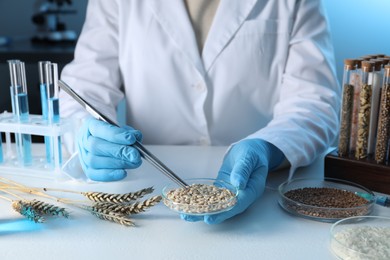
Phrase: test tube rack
(364, 99)
(36, 125)
(365, 172)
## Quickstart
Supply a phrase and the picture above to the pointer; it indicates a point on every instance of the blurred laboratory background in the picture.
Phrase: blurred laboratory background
(359, 27)
(36, 30)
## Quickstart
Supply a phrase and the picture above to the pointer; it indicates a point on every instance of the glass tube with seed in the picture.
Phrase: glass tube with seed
(383, 133)
(346, 108)
(44, 103)
(377, 80)
(52, 90)
(355, 80)
(364, 113)
(21, 111)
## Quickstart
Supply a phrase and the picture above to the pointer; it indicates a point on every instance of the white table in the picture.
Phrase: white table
(264, 231)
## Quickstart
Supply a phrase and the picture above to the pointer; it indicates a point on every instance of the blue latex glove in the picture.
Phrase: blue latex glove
(105, 151)
(245, 166)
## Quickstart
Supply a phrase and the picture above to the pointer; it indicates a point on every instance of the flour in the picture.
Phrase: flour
(364, 242)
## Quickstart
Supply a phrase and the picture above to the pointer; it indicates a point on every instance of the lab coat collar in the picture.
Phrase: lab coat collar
(229, 17)
(174, 19)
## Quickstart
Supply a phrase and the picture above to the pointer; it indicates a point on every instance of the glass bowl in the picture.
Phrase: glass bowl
(326, 200)
(362, 237)
(198, 203)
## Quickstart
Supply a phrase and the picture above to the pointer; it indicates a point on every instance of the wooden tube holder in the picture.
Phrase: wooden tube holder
(365, 172)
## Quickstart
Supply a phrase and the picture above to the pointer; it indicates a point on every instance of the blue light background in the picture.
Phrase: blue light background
(358, 27)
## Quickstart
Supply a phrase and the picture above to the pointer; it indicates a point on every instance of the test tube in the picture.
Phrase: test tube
(381, 147)
(346, 108)
(364, 114)
(44, 103)
(355, 80)
(53, 114)
(377, 80)
(20, 109)
(11, 64)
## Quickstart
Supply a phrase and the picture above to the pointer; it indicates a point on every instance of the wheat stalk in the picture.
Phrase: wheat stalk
(111, 207)
(22, 207)
(33, 209)
(117, 198)
(128, 209)
(25, 189)
(10, 182)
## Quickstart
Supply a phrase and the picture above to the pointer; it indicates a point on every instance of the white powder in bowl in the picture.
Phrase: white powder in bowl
(363, 242)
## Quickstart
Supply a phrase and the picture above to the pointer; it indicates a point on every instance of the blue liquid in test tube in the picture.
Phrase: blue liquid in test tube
(44, 116)
(23, 107)
(20, 111)
(22, 101)
(54, 109)
(44, 104)
(53, 114)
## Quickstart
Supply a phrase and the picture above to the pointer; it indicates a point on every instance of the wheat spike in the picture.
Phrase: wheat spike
(117, 198)
(28, 211)
(139, 207)
(109, 215)
(47, 209)
(128, 209)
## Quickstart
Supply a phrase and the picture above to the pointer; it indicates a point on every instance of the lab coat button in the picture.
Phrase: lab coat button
(200, 87)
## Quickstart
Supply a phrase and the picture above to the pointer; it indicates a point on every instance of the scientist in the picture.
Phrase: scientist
(254, 74)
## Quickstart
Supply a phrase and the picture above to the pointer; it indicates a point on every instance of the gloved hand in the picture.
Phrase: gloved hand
(105, 151)
(246, 166)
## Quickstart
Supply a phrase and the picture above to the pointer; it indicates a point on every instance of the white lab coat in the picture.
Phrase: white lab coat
(266, 70)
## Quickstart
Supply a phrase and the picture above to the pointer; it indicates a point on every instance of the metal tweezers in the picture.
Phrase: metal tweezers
(148, 156)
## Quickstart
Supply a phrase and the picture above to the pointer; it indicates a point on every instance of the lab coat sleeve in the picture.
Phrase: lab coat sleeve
(305, 121)
(94, 72)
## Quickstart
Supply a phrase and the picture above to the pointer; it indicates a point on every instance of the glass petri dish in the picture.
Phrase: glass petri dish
(362, 237)
(326, 200)
(200, 204)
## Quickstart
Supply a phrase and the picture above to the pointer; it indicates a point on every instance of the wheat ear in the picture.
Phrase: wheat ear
(47, 209)
(109, 215)
(128, 209)
(27, 210)
(117, 198)
(139, 207)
